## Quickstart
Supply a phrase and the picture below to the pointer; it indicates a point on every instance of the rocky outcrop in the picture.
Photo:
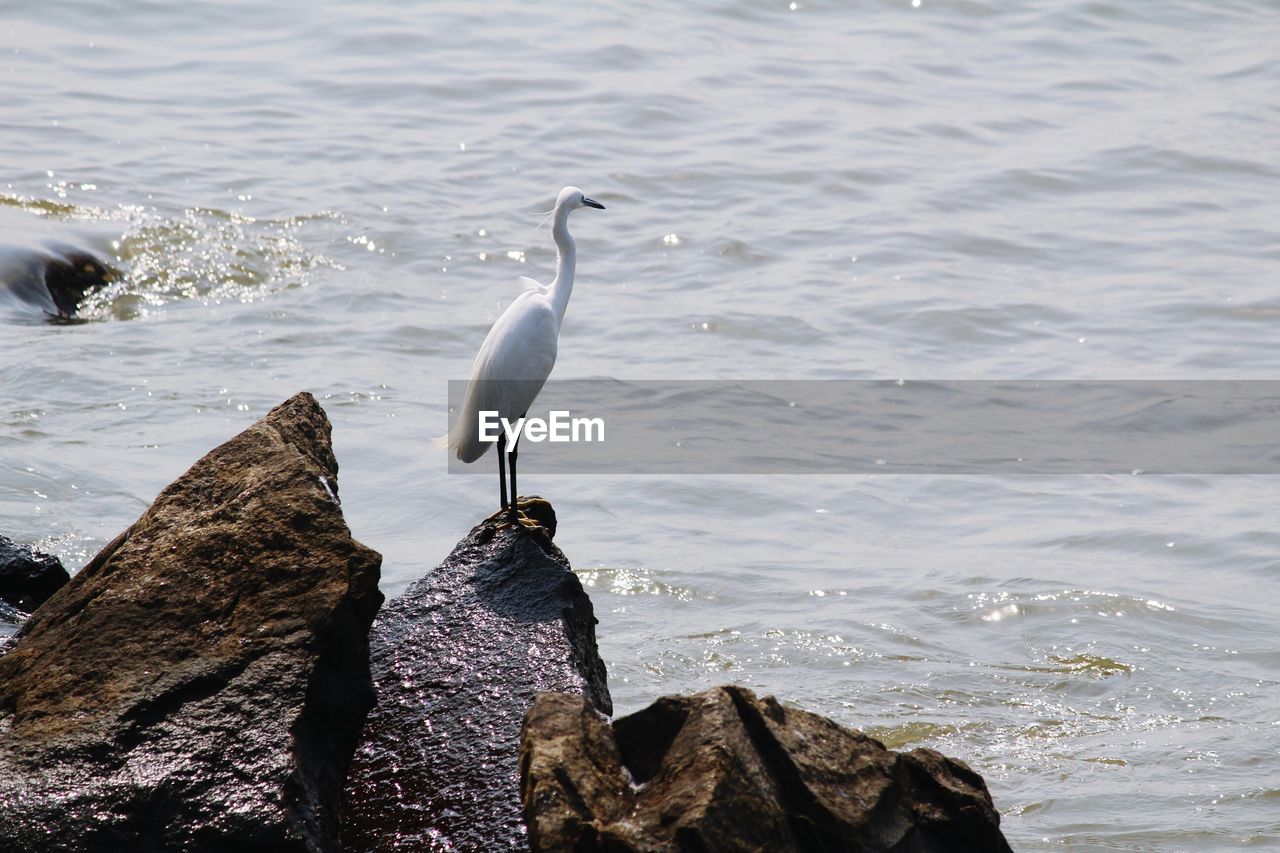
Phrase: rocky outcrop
(53, 277)
(200, 684)
(457, 661)
(724, 770)
(28, 577)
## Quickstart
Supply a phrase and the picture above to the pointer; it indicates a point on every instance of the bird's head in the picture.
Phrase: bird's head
(571, 198)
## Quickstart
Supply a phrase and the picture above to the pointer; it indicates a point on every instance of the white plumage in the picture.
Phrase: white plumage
(518, 353)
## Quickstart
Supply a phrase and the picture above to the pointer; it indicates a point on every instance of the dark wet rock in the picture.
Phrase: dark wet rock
(71, 273)
(200, 684)
(28, 577)
(457, 661)
(724, 770)
(53, 277)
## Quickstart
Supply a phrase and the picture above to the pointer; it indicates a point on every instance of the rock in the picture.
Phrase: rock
(724, 770)
(200, 684)
(70, 274)
(53, 277)
(457, 661)
(28, 577)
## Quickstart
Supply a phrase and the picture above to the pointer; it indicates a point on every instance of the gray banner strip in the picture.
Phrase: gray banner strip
(905, 427)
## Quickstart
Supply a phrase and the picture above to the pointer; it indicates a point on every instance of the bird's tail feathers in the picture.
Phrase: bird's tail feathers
(461, 442)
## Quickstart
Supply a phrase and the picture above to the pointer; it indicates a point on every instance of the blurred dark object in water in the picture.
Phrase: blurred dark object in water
(28, 577)
(53, 277)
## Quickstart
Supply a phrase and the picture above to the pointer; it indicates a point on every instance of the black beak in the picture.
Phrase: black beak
(588, 202)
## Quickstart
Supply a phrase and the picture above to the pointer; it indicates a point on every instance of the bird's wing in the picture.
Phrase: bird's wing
(532, 284)
(513, 363)
(522, 346)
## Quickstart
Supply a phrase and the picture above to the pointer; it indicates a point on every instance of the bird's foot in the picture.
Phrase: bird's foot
(510, 514)
(501, 515)
(528, 512)
(537, 512)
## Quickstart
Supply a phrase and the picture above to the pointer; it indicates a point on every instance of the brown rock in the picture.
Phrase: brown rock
(200, 684)
(457, 660)
(723, 770)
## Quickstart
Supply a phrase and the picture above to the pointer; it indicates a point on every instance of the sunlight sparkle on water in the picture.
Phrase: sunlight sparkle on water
(1000, 613)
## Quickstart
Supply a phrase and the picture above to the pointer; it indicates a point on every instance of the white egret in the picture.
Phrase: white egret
(518, 353)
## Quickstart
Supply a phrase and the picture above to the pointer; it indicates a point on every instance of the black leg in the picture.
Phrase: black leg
(515, 496)
(502, 468)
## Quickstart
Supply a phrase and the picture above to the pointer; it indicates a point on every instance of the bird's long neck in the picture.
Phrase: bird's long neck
(566, 261)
